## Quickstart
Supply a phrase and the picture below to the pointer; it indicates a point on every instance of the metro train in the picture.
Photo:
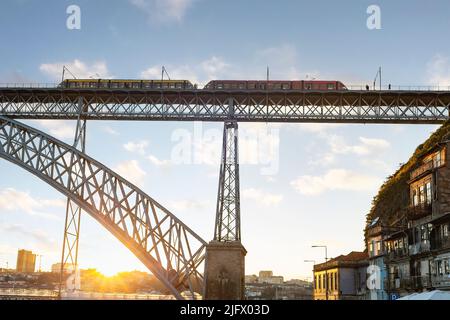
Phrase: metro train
(257, 85)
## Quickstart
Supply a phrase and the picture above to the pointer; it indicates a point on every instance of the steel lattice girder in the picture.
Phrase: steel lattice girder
(167, 247)
(204, 105)
(228, 212)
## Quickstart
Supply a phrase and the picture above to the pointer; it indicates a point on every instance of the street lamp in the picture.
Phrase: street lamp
(326, 273)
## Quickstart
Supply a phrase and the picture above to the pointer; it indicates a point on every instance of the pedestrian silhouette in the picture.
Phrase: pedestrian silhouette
(367, 87)
(389, 86)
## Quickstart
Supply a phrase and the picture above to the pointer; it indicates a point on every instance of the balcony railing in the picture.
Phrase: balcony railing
(397, 254)
(427, 166)
(419, 211)
(409, 283)
(441, 243)
(419, 247)
(441, 281)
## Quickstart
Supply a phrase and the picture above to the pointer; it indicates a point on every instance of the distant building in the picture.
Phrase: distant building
(56, 268)
(26, 261)
(341, 278)
(251, 279)
(265, 274)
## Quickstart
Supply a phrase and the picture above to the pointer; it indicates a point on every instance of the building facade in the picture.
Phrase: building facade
(414, 254)
(341, 278)
(26, 261)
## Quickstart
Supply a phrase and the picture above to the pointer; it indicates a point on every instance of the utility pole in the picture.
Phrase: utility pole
(377, 76)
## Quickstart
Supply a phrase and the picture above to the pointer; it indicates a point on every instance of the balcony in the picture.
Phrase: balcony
(419, 247)
(397, 254)
(409, 283)
(424, 168)
(441, 281)
(441, 243)
(419, 211)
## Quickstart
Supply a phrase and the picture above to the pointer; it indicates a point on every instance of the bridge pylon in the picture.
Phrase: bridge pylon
(69, 257)
(225, 255)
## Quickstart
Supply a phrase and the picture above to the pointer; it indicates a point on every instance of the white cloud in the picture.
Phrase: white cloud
(14, 200)
(367, 146)
(214, 67)
(136, 146)
(335, 179)
(40, 236)
(191, 204)
(109, 130)
(163, 10)
(438, 70)
(198, 73)
(60, 129)
(78, 68)
(131, 171)
(157, 162)
(260, 196)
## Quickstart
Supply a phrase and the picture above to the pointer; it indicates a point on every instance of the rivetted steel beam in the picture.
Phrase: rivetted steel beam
(344, 106)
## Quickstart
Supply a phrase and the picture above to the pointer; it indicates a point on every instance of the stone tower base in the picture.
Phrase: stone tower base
(225, 271)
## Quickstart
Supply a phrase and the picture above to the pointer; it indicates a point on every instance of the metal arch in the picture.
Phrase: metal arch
(166, 246)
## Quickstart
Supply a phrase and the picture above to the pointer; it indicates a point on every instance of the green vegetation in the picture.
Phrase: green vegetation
(393, 197)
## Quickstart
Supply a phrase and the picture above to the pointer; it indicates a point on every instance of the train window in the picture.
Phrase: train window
(164, 85)
(179, 85)
(251, 86)
(330, 86)
(308, 86)
(104, 84)
(146, 84)
(227, 86)
(219, 86)
(136, 85)
(285, 86)
(172, 85)
(277, 86)
(241, 85)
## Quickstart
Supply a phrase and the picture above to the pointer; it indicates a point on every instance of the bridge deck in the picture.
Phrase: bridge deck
(355, 106)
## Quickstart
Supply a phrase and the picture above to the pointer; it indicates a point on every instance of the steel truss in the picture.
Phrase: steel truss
(69, 257)
(228, 213)
(166, 246)
(203, 105)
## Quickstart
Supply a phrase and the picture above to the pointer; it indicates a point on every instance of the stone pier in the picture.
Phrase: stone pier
(225, 271)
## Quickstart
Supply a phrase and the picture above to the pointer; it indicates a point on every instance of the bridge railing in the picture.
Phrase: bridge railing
(29, 85)
(398, 88)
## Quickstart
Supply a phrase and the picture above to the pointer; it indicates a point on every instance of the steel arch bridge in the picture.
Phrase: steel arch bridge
(164, 244)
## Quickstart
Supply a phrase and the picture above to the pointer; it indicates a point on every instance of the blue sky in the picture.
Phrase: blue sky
(327, 174)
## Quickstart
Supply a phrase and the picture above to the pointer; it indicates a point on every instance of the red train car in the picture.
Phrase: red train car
(317, 85)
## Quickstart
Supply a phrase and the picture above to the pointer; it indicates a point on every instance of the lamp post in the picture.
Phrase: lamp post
(326, 274)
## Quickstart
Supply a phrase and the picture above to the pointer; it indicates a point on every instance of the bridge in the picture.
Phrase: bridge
(173, 252)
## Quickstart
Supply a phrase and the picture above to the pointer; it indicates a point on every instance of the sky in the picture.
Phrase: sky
(301, 184)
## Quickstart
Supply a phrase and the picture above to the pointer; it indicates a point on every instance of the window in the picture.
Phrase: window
(422, 194)
(428, 192)
(320, 282)
(285, 86)
(330, 86)
(415, 198)
(251, 86)
(371, 247)
(378, 246)
(335, 282)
